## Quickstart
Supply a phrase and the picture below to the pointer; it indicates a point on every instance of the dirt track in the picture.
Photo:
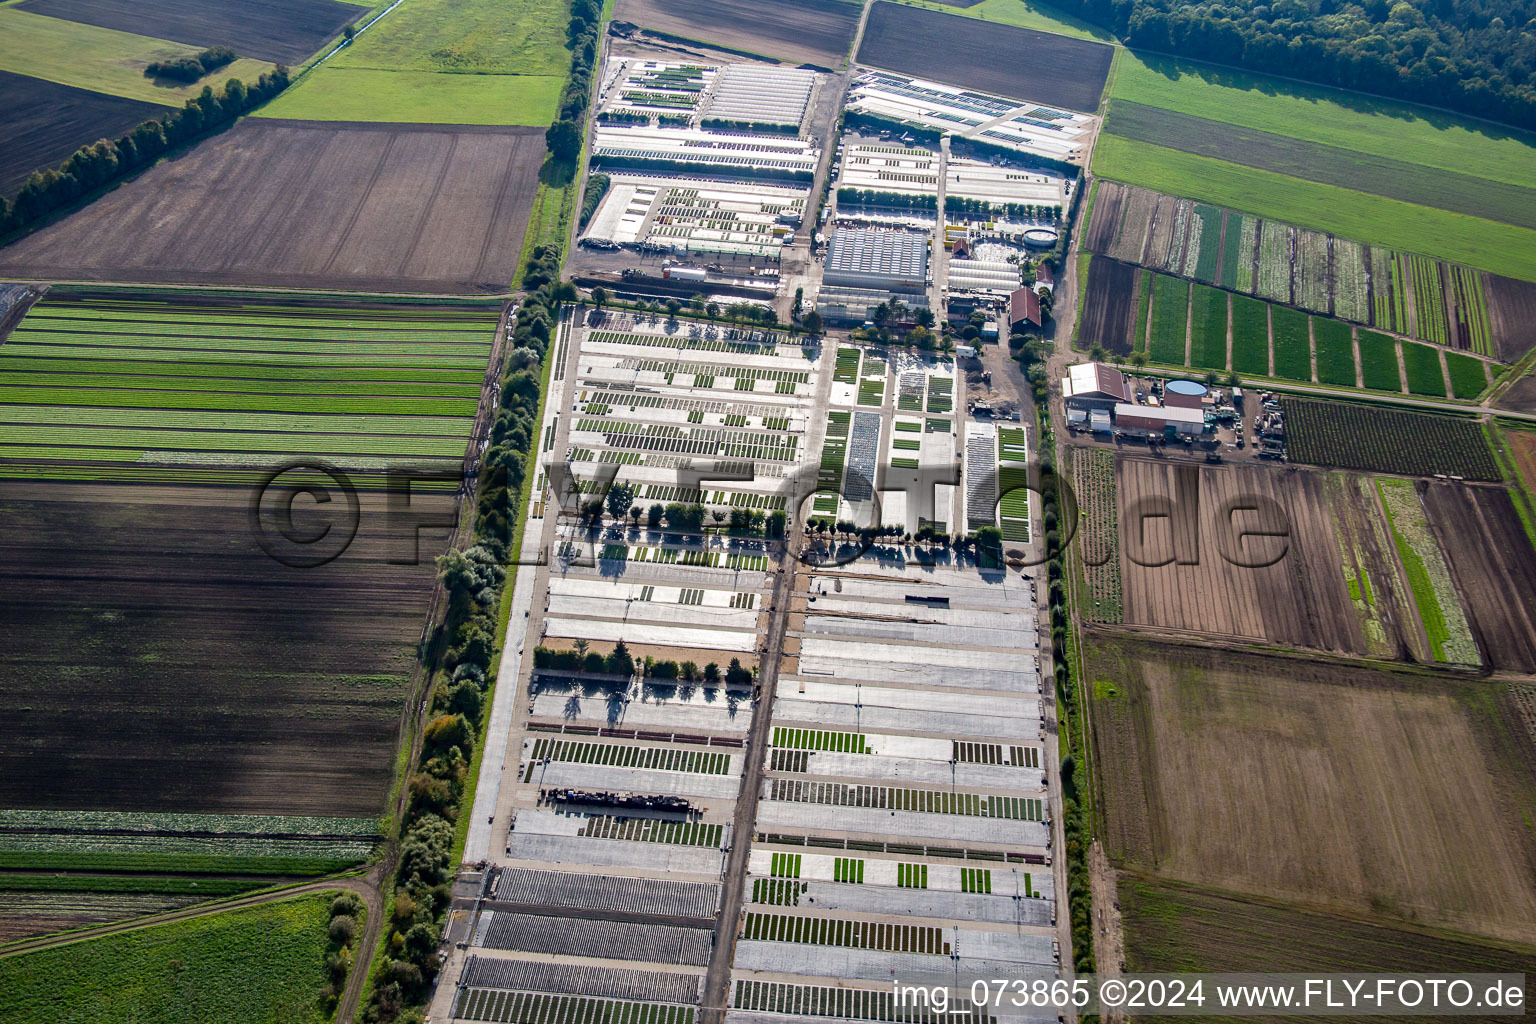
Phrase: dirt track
(307, 204)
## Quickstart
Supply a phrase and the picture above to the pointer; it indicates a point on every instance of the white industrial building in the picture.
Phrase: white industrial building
(698, 216)
(692, 149)
(633, 87)
(879, 167)
(1000, 186)
(1024, 127)
(761, 95)
(878, 259)
(990, 276)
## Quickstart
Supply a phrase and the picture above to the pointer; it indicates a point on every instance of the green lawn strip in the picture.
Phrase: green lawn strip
(146, 399)
(426, 426)
(1468, 377)
(1208, 325)
(1250, 335)
(171, 863)
(474, 38)
(1170, 315)
(264, 963)
(1207, 264)
(339, 444)
(1330, 117)
(395, 388)
(1378, 361)
(1022, 14)
(1293, 348)
(1422, 364)
(1236, 259)
(339, 93)
(104, 60)
(1428, 578)
(339, 363)
(210, 887)
(1335, 351)
(1499, 248)
(1143, 300)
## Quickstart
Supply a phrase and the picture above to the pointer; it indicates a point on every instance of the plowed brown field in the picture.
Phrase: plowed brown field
(1187, 566)
(1343, 788)
(308, 204)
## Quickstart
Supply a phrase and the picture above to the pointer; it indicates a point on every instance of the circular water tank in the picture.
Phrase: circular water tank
(1042, 237)
(1184, 393)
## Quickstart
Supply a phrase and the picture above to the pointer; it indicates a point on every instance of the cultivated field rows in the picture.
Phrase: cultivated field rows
(1406, 294)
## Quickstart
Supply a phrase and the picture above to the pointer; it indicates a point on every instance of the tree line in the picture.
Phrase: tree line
(192, 67)
(104, 161)
(1474, 56)
(463, 653)
(564, 137)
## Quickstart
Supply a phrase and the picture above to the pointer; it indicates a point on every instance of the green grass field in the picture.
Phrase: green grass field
(1170, 314)
(265, 963)
(1143, 302)
(1250, 335)
(1468, 378)
(118, 382)
(1330, 117)
(1335, 351)
(1293, 349)
(1422, 364)
(1499, 248)
(1208, 328)
(102, 59)
(503, 37)
(1023, 14)
(360, 94)
(1378, 361)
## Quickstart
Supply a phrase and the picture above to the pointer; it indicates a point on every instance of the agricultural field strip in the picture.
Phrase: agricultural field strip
(1328, 117)
(1329, 165)
(1499, 248)
(1123, 213)
(93, 414)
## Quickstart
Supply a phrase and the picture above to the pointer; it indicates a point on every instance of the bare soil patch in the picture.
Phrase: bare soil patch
(1173, 927)
(1340, 787)
(284, 31)
(1109, 307)
(307, 204)
(156, 659)
(42, 123)
(974, 54)
(1187, 565)
(815, 32)
(1511, 316)
(1494, 566)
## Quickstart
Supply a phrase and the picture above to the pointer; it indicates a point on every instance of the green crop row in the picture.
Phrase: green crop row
(133, 399)
(1143, 302)
(1422, 364)
(1208, 328)
(1293, 345)
(1428, 299)
(1250, 335)
(1170, 318)
(1468, 376)
(1378, 361)
(1335, 351)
